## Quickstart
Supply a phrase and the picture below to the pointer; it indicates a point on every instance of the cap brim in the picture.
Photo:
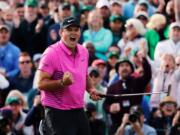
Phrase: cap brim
(4, 28)
(72, 25)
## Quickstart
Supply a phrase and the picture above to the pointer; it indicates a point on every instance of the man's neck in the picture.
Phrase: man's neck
(26, 75)
(176, 41)
(72, 49)
(3, 44)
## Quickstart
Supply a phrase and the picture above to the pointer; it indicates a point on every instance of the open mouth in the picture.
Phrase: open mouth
(72, 39)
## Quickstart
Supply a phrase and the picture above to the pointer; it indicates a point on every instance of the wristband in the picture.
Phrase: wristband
(62, 83)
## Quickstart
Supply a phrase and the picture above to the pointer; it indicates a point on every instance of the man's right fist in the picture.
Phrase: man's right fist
(67, 79)
(115, 108)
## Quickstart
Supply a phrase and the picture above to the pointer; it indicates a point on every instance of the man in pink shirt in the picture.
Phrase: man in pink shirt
(63, 80)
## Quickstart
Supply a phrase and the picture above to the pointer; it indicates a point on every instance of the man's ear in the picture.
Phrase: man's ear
(60, 32)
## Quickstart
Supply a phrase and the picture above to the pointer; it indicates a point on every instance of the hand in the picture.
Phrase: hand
(3, 71)
(125, 119)
(141, 55)
(53, 35)
(127, 51)
(137, 127)
(176, 118)
(37, 100)
(143, 48)
(115, 108)
(67, 79)
(95, 95)
(16, 20)
(39, 25)
(125, 39)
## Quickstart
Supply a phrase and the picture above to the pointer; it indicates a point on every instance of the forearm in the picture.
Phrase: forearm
(50, 85)
(140, 133)
(120, 130)
(147, 69)
(89, 84)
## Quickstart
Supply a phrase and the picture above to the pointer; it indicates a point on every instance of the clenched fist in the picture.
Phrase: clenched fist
(67, 79)
(115, 108)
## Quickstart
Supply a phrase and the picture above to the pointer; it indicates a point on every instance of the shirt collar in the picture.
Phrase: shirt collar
(66, 50)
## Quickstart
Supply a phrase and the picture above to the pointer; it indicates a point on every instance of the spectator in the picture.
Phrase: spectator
(143, 17)
(163, 117)
(135, 119)
(98, 35)
(116, 107)
(116, 27)
(128, 8)
(64, 11)
(76, 6)
(15, 101)
(97, 125)
(142, 6)
(9, 53)
(19, 11)
(23, 80)
(101, 66)
(175, 130)
(31, 33)
(91, 50)
(96, 80)
(157, 31)
(36, 60)
(171, 45)
(116, 7)
(6, 121)
(133, 38)
(165, 78)
(103, 7)
(110, 64)
(170, 12)
(84, 17)
(44, 12)
(35, 115)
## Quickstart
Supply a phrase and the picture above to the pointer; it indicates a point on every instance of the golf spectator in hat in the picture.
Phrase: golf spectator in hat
(126, 84)
(171, 45)
(9, 53)
(15, 100)
(117, 27)
(163, 117)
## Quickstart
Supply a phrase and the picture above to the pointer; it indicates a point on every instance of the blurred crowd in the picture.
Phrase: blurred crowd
(133, 45)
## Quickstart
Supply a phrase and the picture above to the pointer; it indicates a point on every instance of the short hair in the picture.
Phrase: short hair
(19, 5)
(23, 54)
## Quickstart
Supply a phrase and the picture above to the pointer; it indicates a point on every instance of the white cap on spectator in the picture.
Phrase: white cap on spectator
(115, 1)
(175, 24)
(102, 3)
(4, 5)
(137, 25)
(37, 56)
(3, 26)
(156, 20)
(142, 13)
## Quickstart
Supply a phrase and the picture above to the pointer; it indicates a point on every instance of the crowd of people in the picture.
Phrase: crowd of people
(52, 50)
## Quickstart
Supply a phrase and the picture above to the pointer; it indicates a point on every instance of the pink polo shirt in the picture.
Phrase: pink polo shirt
(56, 60)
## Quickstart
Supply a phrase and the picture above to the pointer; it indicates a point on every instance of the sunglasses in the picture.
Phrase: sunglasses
(23, 62)
(129, 26)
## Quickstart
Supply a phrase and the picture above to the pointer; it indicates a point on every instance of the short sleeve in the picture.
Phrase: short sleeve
(47, 63)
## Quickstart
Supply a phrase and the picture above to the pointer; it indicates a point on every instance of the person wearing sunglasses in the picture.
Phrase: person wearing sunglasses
(163, 116)
(23, 80)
